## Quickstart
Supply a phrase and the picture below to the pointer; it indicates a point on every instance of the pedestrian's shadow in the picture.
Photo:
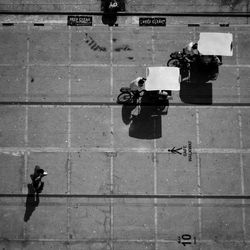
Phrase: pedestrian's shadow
(32, 201)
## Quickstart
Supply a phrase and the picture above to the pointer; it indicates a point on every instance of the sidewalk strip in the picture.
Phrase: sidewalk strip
(133, 196)
(11, 150)
(108, 103)
(198, 172)
(112, 142)
(99, 13)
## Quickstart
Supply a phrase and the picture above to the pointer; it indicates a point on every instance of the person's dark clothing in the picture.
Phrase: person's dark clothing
(37, 178)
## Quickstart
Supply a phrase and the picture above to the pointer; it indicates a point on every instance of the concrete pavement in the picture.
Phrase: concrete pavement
(86, 147)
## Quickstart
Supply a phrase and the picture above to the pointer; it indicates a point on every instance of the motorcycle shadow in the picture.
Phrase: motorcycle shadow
(199, 89)
(146, 128)
(147, 124)
(200, 73)
(194, 93)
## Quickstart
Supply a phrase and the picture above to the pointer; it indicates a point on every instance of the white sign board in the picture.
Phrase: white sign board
(162, 78)
(216, 44)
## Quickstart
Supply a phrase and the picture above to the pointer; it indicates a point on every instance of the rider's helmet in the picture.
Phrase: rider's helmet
(190, 46)
(141, 82)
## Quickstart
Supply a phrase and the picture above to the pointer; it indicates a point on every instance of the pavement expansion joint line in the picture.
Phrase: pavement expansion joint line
(104, 240)
(21, 150)
(136, 196)
(104, 65)
(40, 19)
(115, 105)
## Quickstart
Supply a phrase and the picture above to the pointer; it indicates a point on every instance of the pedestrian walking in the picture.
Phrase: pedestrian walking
(36, 178)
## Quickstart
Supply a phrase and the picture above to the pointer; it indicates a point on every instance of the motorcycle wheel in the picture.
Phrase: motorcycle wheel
(174, 63)
(125, 89)
(160, 108)
(124, 97)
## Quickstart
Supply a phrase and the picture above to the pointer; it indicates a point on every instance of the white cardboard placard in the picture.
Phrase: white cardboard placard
(163, 78)
(212, 43)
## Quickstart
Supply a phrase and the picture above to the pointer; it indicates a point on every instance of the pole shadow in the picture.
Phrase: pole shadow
(32, 201)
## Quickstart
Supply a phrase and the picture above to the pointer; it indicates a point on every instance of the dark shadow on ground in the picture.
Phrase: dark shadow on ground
(199, 89)
(196, 93)
(126, 113)
(146, 127)
(201, 72)
(32, 201)
(146, 124)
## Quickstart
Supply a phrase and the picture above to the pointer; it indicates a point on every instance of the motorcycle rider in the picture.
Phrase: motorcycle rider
(193, 54)
(191, 50)
(138, 84)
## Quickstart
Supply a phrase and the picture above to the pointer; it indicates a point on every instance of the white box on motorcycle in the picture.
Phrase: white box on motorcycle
(214, 43)
(162, 78)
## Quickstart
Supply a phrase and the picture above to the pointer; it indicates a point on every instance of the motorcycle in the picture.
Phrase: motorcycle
(181, 60)
(135, 98)
(207, 64)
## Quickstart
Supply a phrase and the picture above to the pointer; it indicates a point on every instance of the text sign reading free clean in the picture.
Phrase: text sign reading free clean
(80, 20)
(152, 21)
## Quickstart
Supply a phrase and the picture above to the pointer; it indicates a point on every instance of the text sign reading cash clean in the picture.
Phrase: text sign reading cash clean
(152, 21)
(80, 20)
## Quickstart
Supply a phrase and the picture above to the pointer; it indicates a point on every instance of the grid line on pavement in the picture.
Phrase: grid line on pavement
(242, 177)
(198, 171)
(155, 200)
(240, 135)
(134, 196)
(69, 88)
(155, 160)
(115, 105)
(68, 193)
(26, 100)
(198, 165)
(26, 121)
(104, 240)
(27, 85)
(69, 138)
(112, 142)
(241, 139)
(232, 14)
(21, 150)
(101, 65)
